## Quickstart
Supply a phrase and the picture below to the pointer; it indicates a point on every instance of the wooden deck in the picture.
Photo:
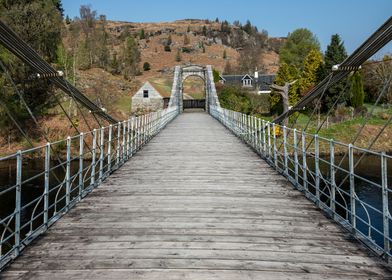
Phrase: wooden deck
(196, 203)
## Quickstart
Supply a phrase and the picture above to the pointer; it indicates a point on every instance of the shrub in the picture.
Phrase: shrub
(146, 66)
(167, 48)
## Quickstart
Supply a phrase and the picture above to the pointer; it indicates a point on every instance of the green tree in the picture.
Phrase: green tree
(131, 58)
(39, 23)
(299, 43)
(142, 34)
(146, 66)
(67, 20)
(286, 73)
(65, 62)
(356, 92)
(335, 54)
(312, 64)
(204, 30)
(216, 75)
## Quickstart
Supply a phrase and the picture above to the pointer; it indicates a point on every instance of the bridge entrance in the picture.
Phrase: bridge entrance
(193, 87)
(178, 96)
(193, 92)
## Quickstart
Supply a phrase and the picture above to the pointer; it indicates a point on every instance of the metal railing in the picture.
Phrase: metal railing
(311, 163)
(45, 182)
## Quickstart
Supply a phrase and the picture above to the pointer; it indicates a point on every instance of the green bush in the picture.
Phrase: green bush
(146, 66)
(238, 99)
(167, 48)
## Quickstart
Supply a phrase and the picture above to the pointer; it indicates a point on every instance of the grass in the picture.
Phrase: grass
(346, 130)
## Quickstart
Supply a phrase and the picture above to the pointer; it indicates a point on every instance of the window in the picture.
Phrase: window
(247, 82)
(145, 93)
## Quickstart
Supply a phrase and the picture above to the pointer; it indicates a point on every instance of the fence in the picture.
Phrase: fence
(194, 103)
(310, 163)
(61, 173)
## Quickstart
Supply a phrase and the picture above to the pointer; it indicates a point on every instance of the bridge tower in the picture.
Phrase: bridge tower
(181, 73)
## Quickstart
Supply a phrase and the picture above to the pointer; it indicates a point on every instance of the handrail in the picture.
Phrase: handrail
(117, 144)
(341, 203)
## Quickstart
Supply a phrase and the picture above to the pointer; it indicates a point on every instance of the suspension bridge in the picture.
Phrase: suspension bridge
(212, 194)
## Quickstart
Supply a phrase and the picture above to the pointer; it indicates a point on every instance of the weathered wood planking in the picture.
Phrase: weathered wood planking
(196, 203)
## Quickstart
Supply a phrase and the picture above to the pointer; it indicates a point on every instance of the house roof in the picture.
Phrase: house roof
(161, 89)
(247, 76)
(263, 81)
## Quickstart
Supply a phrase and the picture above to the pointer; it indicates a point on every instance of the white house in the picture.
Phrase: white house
(147, 98)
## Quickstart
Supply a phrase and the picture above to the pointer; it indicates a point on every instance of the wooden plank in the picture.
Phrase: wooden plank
(196, 203)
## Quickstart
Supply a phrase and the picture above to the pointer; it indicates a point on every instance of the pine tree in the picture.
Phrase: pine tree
(224, 54)
(67, 19)
(146, 66)
(335, 54)
(357, 92)
(142, 34)
(204, 30)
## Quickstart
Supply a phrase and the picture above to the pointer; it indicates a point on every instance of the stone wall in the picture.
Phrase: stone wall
(153, 102)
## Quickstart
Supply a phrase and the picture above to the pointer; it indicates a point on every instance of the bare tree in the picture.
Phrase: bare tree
(284, 92)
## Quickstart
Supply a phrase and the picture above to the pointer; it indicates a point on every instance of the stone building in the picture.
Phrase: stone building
(148, 98)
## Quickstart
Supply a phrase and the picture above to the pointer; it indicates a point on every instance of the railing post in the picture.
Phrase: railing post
(93, 160)
(332, 204)
(259, 143)
(317, 167)
(275, 151)
(385, 201)
(138, 130)
(304, 164)
(132, 134)
(286, 166)
(248, 125)
(352, 187)
(123, 155)
(46, 184)
(295, 144)
(81, 163)
(68, 175)
(102, 154)
(264, 143)
(18, 201)
(110, 149)
(269, 140)
(118, 150)
(128, 137)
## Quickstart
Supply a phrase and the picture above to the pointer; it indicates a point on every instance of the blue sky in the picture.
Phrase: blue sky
(354, 20)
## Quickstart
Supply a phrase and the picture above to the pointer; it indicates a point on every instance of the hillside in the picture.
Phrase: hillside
(214, 41)
(197, 42)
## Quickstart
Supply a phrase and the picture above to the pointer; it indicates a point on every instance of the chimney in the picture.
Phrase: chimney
(256, 74)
